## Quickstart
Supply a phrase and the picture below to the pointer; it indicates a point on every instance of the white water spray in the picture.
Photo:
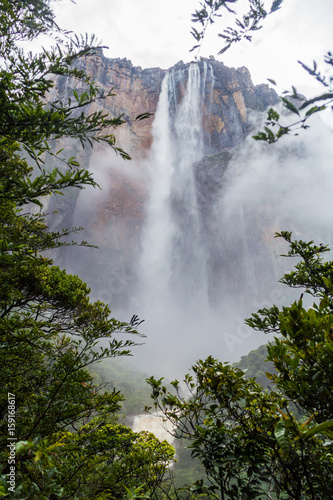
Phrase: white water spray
(155, 266)
(154, 423)
(173, 256)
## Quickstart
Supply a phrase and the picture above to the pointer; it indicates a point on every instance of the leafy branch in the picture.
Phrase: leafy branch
(211, 10)
(298, 105)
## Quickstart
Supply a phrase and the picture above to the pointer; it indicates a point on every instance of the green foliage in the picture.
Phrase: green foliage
(187, 469)
(303, 354)
(230, 421)
(130, 382)
(255, 365)
(135, 493)
(68, 440)
(211, 10)
(298, 105)
(103, 459)
(248, 440)
(27, 115)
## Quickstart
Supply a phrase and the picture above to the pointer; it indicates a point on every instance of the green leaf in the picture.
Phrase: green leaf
(323, 97)
(281, 436)
(288, 104)
(314, 109)
(144, 116)
(318, 429)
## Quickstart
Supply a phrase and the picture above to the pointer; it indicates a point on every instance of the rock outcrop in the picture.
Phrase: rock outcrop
(114, 217)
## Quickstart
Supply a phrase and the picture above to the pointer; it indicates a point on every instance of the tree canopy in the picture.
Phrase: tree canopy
(60, 437)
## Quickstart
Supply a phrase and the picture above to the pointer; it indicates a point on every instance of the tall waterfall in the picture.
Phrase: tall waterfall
(172, 292)
(173, 262)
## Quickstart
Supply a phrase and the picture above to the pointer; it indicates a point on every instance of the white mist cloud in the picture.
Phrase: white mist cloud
(291, 180)
(286, 186)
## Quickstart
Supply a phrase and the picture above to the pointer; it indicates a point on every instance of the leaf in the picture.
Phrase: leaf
(276, 5)
(270, 135)
(280, 434)
(294, 362)
(273, 115)
(313, 110)
(143, 116)
(323, 97)
(288, 104)
(318, 429)
(194, 47)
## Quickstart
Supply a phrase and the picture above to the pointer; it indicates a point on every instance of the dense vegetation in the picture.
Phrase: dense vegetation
(60, 436)
(255, 365)
(60, 433)
(126, 379)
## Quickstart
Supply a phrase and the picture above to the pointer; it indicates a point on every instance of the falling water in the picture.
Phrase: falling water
(189, 256)
(173, 258)
(159, 228)
(173, 281)
(155, 424)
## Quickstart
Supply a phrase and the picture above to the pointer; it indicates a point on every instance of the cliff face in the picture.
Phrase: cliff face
(114, 217)
(229, 97)
(135, 92)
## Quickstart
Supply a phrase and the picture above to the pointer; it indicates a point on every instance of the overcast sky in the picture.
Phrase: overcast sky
(157, 33)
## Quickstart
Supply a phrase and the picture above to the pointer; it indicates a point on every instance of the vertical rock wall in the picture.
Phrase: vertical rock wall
(113, 218)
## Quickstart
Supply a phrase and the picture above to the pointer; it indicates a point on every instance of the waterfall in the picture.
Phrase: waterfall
(189, 271)
(159, 228)
(154, 424)
(172, 292)
(173, 261)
